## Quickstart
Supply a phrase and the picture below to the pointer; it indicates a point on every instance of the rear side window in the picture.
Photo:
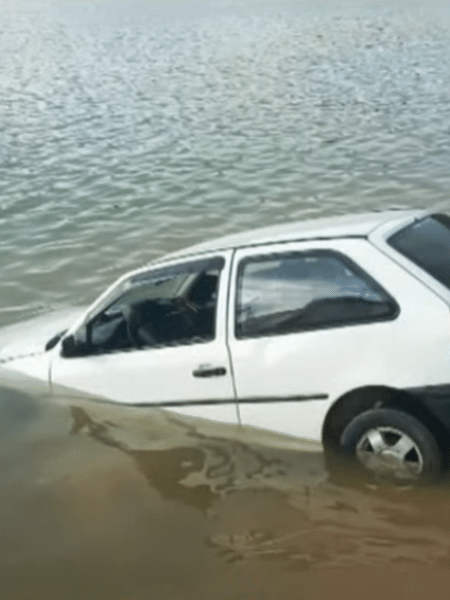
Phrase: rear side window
(287, 293)
(427, 243)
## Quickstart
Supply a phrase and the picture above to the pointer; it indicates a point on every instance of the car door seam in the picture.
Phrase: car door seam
(227, 329)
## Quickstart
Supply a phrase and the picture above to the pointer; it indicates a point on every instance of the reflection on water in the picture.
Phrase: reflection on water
(105, 502)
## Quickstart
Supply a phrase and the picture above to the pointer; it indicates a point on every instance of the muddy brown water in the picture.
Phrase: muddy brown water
(99, 502)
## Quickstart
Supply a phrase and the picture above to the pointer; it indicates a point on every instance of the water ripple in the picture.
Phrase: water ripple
(127, 133)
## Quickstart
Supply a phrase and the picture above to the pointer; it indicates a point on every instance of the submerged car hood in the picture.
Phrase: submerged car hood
(30, 337)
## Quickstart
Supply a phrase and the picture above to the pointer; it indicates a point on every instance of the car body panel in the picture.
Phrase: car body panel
(329, 362)
(30, 336)
(379, 239)
(22, 345)
(353, 225)
(148, 376)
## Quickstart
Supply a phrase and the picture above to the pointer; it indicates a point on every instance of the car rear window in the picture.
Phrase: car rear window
(427, 243)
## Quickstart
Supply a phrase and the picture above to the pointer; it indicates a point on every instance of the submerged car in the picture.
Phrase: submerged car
(335, 330)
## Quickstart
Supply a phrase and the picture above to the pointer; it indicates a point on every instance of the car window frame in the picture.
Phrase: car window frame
(411, 257)
(120, 288)
(313, 252)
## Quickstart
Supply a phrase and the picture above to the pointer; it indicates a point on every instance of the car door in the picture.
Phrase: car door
(159, 340)
(311, 321)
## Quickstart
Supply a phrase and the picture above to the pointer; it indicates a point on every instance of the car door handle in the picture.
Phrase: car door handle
(209, 372)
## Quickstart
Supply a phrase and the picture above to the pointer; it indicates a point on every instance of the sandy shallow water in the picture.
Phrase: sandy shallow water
(102, 503)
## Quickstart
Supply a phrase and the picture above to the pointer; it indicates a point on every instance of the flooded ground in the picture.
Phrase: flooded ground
(102, 502)
(130, 129)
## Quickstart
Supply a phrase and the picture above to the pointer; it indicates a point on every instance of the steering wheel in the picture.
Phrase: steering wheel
(187, 305)
(137, 332)
(189, 310)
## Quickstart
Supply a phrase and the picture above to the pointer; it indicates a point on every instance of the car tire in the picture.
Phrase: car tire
(392, 444)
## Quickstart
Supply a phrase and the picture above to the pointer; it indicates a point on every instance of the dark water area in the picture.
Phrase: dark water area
(130, 129)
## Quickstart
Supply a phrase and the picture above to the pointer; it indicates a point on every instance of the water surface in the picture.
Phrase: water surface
(129, 129)
(102, 502)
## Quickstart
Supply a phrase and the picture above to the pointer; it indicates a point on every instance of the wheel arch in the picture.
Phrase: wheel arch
(353, 403)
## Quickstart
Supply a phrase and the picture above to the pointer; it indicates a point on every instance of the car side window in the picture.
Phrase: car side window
(164, 307)
(427, 243)
(286, 293)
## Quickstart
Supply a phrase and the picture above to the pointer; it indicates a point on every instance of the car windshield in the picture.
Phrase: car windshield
(427, 243)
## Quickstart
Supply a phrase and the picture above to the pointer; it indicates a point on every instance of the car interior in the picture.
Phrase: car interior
(169, 319)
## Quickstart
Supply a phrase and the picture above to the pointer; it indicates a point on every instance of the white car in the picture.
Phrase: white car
(335, 330)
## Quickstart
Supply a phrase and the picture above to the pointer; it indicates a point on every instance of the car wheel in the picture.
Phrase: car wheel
(392, 444)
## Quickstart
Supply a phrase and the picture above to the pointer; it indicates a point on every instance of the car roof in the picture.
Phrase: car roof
(353, 225)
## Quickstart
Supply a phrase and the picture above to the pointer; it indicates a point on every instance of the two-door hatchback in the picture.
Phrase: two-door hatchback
(334, 329)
